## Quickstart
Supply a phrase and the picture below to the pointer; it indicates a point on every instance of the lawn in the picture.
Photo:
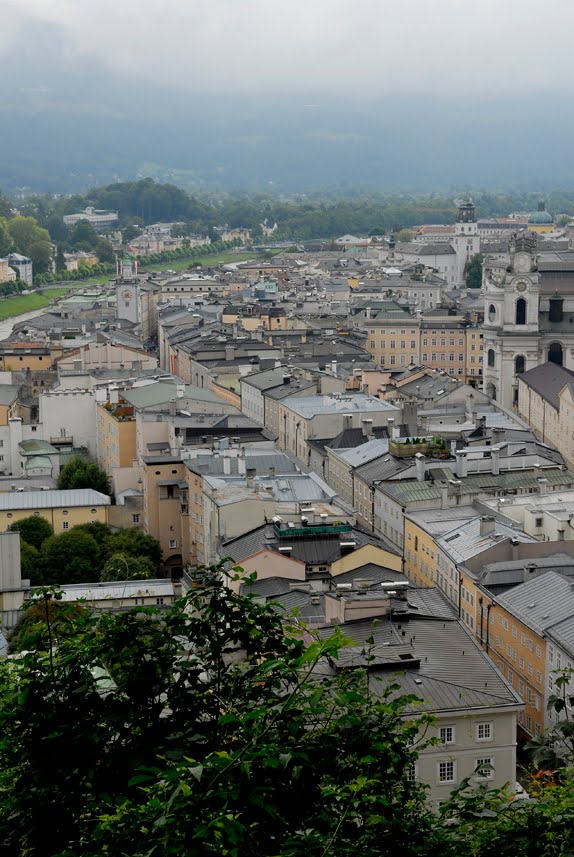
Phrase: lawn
(26, 303)
(216, 259)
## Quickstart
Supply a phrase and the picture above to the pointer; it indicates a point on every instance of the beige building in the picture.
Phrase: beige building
(116, 436)
(106, 355)
(303, 418)
(546, 402)
(62, 509)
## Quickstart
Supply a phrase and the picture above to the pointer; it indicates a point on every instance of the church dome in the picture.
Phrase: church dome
(540, 217)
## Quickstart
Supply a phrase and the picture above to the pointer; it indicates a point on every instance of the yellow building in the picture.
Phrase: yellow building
(116, 436)
(62, 509)
(19, 356)
(166, 508)
(474, 351)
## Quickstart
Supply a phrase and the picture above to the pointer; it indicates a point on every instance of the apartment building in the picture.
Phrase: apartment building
(303, 418)
(546, 402)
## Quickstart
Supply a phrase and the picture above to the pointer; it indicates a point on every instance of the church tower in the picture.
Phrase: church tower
(466, 241)
(511, 319)
(127, 293)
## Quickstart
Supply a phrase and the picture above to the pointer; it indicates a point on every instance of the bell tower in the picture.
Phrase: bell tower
(466, 241)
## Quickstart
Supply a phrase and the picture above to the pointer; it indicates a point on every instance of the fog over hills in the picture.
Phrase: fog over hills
(69, 122)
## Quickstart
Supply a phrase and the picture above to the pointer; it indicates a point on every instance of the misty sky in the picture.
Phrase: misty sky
(371, 47)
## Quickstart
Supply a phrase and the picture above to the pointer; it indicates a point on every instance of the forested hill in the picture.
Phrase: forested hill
(299, 217)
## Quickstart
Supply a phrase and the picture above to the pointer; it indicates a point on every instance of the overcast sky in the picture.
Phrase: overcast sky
(374, 47)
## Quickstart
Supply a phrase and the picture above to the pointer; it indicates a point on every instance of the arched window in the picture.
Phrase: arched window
(490, 357)
(491, 391)
(555, 354)
(519, 364)
(491, 312)
(520, 311)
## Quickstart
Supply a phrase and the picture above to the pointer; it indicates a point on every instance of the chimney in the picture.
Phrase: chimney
(495, 453)
(367, 426)
(543, 486)
(461, 464)
(241, 465)
(250, 473)
(334, 367)
(226, 465)
(560, 533)
(514, 543)
(271, 471)
(286, 379)
(444, 496)
(395, 430)
(420, 461)
(172, 407)
(347, 421)
(487, 525)
(529, 572)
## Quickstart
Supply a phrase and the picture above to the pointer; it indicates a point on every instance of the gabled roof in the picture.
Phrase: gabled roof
(547, 380)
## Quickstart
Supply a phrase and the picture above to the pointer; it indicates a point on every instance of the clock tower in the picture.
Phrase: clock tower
(127, 297)
(466, 241)
(511, 290)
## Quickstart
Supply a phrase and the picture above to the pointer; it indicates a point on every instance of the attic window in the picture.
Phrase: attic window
(452, 538)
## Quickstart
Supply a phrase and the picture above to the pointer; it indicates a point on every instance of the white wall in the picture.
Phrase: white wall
(72, 410)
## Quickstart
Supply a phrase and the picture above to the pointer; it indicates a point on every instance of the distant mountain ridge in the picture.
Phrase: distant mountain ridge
(67, 127)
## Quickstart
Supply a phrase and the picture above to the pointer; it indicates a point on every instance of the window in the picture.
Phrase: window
(538, 522)
(485, 768)
(135, 519)
(519, 364)
(446, 734)
(538, 652)
(173, 543)
(446, 772)
(491, 313)
(490, 357)
(65, 525)
(484, 731)
(520, 311)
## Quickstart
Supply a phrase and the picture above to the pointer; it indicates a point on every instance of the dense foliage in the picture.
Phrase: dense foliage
(215, 728)
(78, 472)
(85, 553)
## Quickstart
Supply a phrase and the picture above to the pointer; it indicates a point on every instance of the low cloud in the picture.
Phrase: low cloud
(367, 48)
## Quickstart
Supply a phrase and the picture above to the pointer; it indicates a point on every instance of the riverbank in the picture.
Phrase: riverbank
(19, 304)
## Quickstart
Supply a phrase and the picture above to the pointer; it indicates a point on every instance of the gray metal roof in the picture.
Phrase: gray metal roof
(542, 602)
(14, 500)
(408, 492)
(310, 406)
(453, 673)
(161, 393)
(364, 453)
(547, 380)
(466, 540)
(8, 393)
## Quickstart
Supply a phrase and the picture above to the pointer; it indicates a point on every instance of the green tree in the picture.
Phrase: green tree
(80, 473)
(29, 564)
(60, 259)
(6, 242)
(41, 254)
(474, 272)
(144, 733)
(134, 543)
(26, 232)
(405, 235)
(44, 621)
(104, 251)
(71, 557)
(122, 566)
(83, 236)
(33, 530)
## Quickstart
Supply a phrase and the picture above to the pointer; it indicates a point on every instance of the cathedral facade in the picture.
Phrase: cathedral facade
(528, 314)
